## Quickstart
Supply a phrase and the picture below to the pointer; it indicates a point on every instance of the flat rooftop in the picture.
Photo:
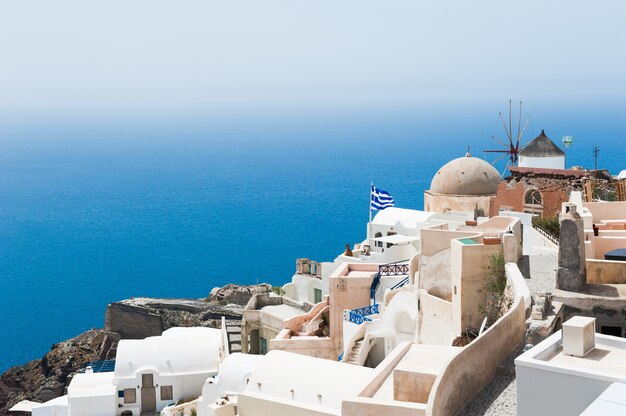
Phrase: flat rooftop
(604, 362)
(420, 358)
(282, 311)
(607, 359)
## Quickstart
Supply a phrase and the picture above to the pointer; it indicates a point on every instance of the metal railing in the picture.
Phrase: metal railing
(394, 269)
(400, 283)
(397, 268)
(103, 366)
(360, 315)
(552, 238)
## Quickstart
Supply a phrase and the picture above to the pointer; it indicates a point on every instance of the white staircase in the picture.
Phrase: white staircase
(354, 352)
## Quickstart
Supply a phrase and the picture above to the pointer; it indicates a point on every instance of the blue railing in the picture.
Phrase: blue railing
(340, 357)
(360, 315)
(397, 268)
(103, 366)
(374, 286)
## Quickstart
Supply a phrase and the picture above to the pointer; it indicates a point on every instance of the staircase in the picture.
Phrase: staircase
(234, 338)
(354, 352)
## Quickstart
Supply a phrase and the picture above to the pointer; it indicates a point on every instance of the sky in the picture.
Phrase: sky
(83, 58)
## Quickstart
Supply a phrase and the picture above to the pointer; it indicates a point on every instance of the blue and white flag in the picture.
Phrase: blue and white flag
(380, 199)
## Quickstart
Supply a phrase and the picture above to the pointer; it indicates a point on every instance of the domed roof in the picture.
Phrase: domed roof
(466, 176)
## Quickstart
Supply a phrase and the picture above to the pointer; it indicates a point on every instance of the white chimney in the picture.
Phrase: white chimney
(579, 336)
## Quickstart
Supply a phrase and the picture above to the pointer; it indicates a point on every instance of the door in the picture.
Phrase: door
(317, 293)
(148, 394)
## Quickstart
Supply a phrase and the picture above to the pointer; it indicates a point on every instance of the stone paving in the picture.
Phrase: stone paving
(539, 262)
(499, 398)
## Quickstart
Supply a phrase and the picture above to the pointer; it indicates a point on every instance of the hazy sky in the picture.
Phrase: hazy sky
(150, 56)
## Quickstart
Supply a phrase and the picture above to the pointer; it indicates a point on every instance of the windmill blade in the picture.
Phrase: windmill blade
(519, 122)
(524, 129)
(499, 159)
(499, 141)
(505, 168)
(505, 129)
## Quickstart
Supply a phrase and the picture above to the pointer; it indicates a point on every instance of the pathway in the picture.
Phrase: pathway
(538, 265)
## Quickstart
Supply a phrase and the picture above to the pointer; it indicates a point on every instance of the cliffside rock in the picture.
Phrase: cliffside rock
(46, 378)
(239, 295)
(138, 318)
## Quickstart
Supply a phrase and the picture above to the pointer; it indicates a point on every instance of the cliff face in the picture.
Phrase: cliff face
(44, 379)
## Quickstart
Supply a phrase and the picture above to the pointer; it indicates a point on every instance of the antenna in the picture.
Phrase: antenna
(596, 152)
(567, 142)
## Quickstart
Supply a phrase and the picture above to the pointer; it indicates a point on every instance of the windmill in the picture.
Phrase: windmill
(509, 150)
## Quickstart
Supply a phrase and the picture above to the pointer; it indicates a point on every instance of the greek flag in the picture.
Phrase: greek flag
(380, 199)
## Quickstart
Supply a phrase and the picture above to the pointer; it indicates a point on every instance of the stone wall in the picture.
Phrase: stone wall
(606, 272)
(132, 322)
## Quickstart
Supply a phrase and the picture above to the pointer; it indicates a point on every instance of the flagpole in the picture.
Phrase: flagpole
(369, 224)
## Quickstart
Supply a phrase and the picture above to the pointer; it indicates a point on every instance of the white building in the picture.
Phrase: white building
(542, 153)
(149, 375)
(552, 382)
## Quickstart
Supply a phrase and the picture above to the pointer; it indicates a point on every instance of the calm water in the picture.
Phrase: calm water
(91, 214)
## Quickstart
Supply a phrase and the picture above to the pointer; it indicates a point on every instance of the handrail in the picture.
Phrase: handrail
(102, 366)
(374, 285)
(400, 283)
(546, 234)
(397, 268)
(360, 315)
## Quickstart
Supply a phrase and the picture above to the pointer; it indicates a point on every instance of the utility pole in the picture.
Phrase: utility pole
(596, 151)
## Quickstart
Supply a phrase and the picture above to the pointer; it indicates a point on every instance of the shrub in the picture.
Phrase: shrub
(278, 290)
(550, 225)
(497, 300)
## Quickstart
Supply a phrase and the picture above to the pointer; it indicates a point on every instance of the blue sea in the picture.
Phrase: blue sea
(97, 211)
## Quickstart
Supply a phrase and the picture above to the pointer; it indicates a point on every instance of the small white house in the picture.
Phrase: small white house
(149, 374)
(157, 371)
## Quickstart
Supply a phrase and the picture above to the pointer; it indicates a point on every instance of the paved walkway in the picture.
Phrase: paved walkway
(499, 398)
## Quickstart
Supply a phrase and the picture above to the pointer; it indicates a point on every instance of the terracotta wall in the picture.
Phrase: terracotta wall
(511, 195)
(348, 292)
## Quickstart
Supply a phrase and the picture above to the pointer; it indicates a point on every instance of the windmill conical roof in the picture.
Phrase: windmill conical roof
(541, 146)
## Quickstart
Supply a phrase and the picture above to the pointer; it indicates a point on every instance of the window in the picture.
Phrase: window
(378, 243)
(533, 197)
(130, 396)
(263, 346)
(167, 393)
(317, 293)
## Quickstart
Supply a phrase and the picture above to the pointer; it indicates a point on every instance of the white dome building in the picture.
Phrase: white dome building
(463, 184)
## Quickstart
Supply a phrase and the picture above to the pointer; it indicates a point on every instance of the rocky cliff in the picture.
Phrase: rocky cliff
(46, 378)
